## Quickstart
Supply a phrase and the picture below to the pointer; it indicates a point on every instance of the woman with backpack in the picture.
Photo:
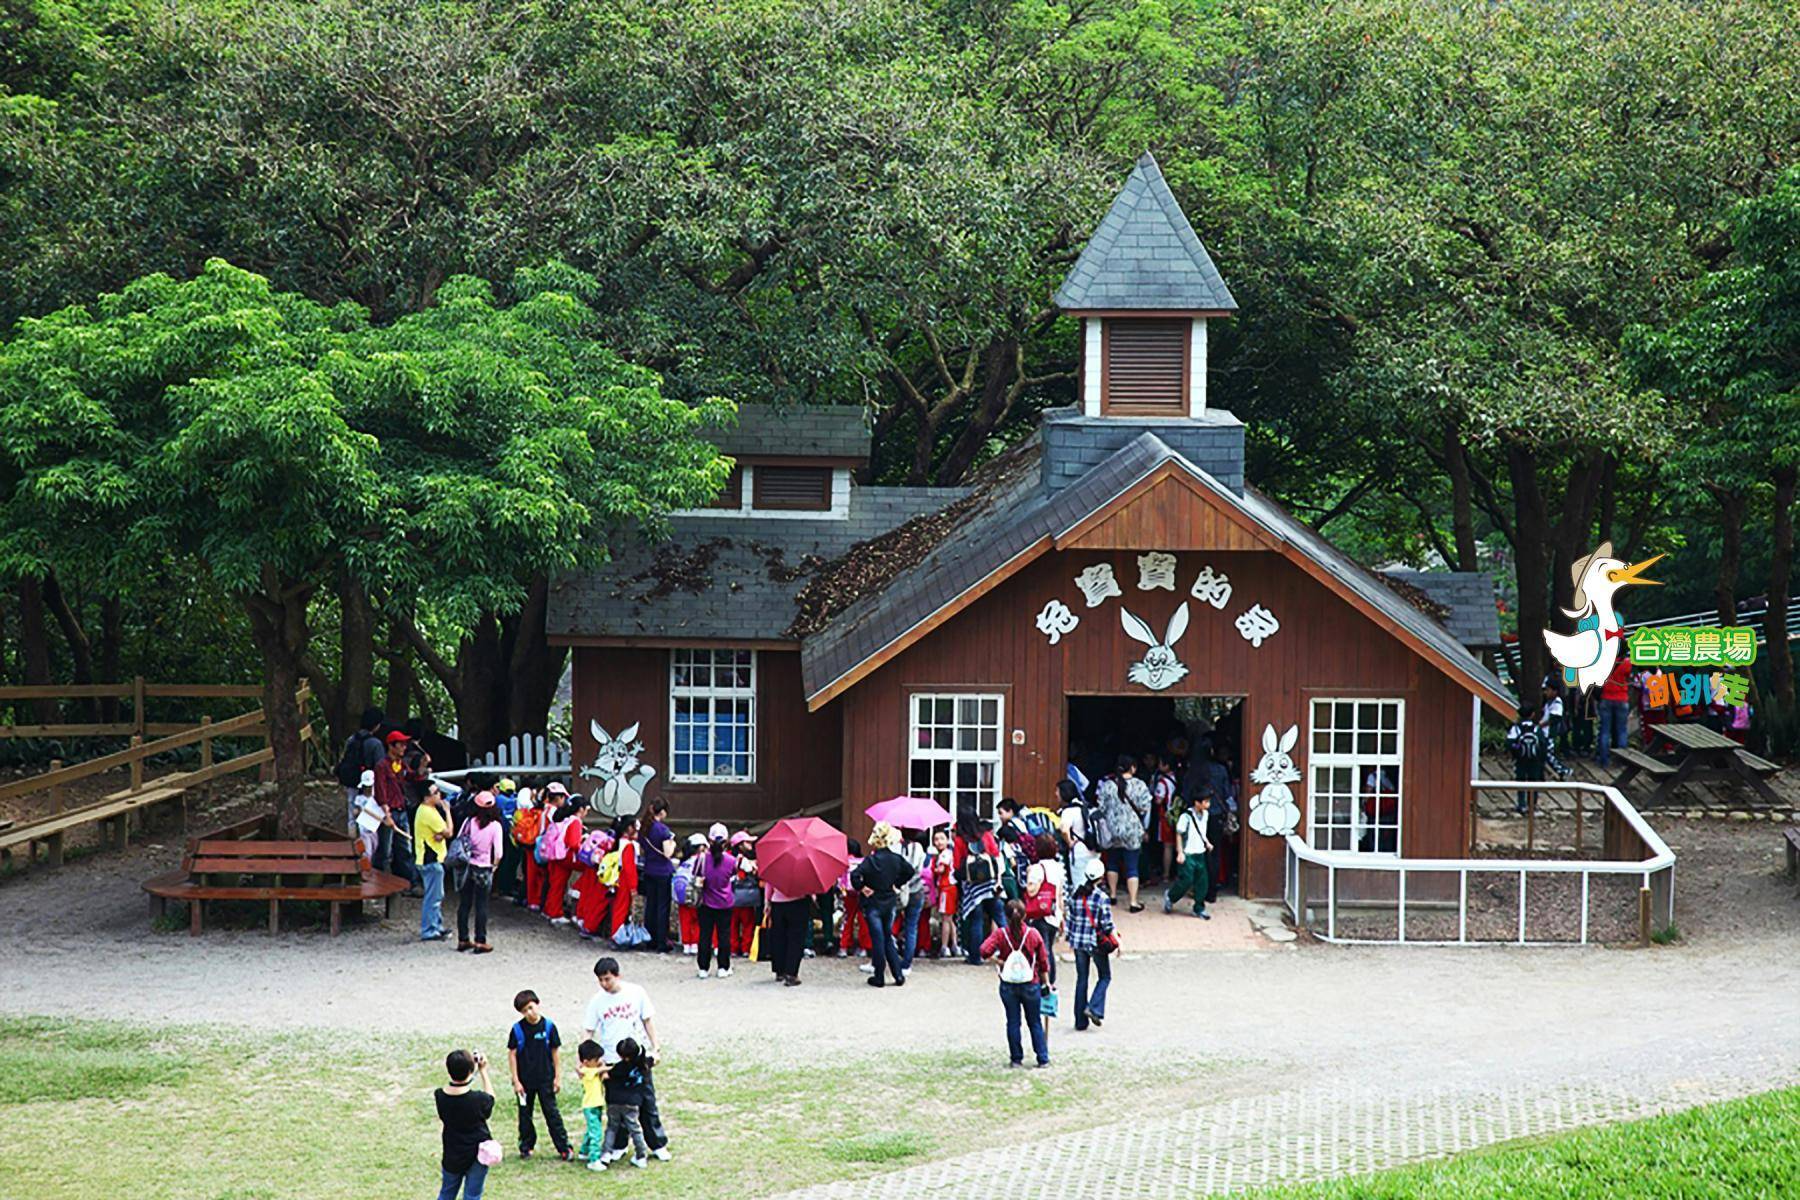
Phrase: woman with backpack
(1024, 970)
(556, 847)
(480, 851)
(715, 873)
(977, 856)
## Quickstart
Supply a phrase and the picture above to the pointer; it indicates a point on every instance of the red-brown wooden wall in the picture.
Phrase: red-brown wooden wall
(797, 751)
(1324, 648)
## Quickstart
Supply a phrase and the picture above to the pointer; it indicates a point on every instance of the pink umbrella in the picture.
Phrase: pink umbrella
(802, 856)
(910, 812)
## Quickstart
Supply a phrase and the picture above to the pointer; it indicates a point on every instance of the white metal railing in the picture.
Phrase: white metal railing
(1655, 873)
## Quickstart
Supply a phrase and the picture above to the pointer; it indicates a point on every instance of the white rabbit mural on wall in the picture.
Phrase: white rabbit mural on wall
(622, 778)
(1159, 668)
(1273, 812)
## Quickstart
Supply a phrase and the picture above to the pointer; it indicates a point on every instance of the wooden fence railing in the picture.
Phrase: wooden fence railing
(136, 691)
(116, 807)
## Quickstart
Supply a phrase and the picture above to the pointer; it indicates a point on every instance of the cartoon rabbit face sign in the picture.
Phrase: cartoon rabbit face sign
(622, 778)
(1273, 812)
(1159, 668)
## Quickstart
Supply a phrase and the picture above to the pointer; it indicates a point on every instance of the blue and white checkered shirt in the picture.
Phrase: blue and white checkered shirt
(1089, 916)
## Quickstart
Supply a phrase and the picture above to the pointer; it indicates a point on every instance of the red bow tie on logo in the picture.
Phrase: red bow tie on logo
(1616, 633)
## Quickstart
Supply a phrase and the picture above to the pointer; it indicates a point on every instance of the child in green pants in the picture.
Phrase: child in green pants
(1190, 851)
(593, 1104)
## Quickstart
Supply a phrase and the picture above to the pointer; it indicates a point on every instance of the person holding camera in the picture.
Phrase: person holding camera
(469, 1149)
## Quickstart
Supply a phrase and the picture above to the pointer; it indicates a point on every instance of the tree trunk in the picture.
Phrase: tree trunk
(481, 703)
(81, 651)
(1609, 498)
(34, 646)
(536, 665)
(1572, 535)
(278, 627)
(355, 689)
(1000, 368)
(1731, 553)
(1531, 543)
(112, 632)
(1779, 653)
(398, 704)
(1462, 501)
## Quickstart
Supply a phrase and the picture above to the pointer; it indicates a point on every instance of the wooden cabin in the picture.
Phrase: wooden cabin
(1111, 584)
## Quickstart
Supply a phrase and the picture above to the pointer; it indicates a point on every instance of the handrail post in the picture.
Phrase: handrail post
(1644, 917)
(206, 759)
(137, 764)
(1531, 823)
(56, 792)
(137, 707)
(1578, 806)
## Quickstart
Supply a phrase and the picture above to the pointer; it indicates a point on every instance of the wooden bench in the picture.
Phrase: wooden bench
(240, 863)
(1792, 833)
(1636, 763)
(1760, 766)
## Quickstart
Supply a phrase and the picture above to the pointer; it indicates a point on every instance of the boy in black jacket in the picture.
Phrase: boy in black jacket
(531, 1048)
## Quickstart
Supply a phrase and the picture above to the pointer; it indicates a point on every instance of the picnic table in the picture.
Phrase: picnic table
(1702, 755)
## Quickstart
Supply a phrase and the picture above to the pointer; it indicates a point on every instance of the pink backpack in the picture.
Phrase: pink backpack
(553, 841)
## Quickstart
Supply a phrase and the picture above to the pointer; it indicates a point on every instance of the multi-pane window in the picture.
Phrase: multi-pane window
(712, 716)
(954, 748)
(1355, 761)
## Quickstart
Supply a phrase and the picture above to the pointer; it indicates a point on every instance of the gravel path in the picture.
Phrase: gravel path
(1304, 1061)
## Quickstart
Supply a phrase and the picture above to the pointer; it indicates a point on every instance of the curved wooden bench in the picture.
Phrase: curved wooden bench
(329, 869)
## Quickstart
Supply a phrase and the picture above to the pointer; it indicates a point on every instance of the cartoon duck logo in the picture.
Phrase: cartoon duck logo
(1587, 655)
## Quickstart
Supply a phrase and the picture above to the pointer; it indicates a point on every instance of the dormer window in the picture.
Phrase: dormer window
(1145, 367)
(791, 488)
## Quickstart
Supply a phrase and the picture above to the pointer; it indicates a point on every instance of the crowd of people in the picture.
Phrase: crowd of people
(1007, 890)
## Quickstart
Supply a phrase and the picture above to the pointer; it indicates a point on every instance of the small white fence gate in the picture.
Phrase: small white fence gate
(521, 754)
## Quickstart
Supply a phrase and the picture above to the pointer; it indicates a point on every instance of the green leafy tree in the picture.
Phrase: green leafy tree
(1736, 357)
(446, 460)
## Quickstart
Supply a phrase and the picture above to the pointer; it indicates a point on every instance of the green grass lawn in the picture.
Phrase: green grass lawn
(1741, 1149)
(202, 1114)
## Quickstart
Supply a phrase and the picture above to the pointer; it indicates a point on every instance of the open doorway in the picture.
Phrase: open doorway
(1183, 728)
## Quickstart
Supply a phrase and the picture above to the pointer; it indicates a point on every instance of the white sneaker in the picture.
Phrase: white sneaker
(561, 921)
(690, 949)
(640, 1162)
(599, 1164)
(724, 972)
(660, 1154)
(866, 968)
(702, 974)
(612, 1156)
(809, 953)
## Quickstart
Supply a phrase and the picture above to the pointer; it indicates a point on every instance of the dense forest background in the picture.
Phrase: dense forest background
(1514, 277)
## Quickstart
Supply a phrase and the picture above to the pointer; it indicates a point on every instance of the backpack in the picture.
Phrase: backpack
(1017, 968)
(527, 824)
(552, 842)
(977, 867)
(588, 853)
(608, 870)
(1038, 821)
(350, 767)
(1531, 747)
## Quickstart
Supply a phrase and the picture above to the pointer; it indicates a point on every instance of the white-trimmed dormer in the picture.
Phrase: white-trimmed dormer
(792, 463)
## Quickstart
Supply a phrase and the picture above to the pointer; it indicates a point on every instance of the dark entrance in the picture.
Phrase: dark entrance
(1103, 727)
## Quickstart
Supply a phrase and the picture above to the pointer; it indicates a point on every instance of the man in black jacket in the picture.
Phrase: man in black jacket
(878, 878)
(363, 751)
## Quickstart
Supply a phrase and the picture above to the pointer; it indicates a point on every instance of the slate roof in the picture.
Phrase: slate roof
(724, 577)
(822, 431)
(1468, 595)
(1144, 254)
(1014, 518)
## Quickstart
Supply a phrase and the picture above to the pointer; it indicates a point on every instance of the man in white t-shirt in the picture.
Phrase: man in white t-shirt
(1191, 845)
(621, 1010)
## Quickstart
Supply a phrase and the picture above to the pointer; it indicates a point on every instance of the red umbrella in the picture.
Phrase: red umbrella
(802, 856)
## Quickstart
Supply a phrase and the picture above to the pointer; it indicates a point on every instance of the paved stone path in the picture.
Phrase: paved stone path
(1342, 1126)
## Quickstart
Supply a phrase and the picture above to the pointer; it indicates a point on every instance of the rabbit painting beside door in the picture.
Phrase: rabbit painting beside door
(1273, 812)
(622, 778)
(1159, 668)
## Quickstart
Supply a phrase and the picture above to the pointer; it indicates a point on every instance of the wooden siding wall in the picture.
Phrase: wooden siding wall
(1324, 648)
(797, 763)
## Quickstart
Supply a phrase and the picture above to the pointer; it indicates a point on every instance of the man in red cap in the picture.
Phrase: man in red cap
(391, 854)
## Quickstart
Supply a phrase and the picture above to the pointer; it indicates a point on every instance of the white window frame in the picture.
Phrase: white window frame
(1359, 761)
(710, 692)
(956, 754)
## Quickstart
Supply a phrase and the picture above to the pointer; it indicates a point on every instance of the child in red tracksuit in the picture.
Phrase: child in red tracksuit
(626, 888)
(744, 920)
(856, 927)
(528, 818)
(591, 896)
(568, 833)
(689, 918)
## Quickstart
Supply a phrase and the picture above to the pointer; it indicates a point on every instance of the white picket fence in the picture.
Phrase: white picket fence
(521, 754)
